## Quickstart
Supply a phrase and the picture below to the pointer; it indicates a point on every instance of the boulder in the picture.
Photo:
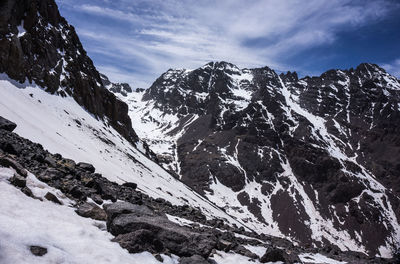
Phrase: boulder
(119, 208)
(138, 228)
(195, 259)
(86, 167)
(11, 163)
(106, 191)
(51, 197)
(7, 124)
(50, 161)
(10, 148)
(130, 185)
(224, 245)
(67, 164)
(174, 238)
(50, 174)
(245, 252)
(274, 255)
(97, 199)
(38, 250)
(91, 210)
(18, 181)
(78, 192)
(139, 241)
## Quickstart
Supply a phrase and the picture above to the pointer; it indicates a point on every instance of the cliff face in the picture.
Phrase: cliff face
(38, 45)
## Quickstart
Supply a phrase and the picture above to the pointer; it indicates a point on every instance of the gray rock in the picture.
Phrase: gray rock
(79, 192)
(97, 199)
(224, 245)
(18, 180)
(119, 208)
(7, 124)
(275, 254)
(130, 185)
(139, 241)
(50, 174)
(159, 257)
(51, 197)
(106, 191)
(27, 192)
(38, 250)
(176, 239)
(245, 252)
(11, 163)
(91, 210)
(195, 259)
(67, 164)
(51, 161)
(86, 166)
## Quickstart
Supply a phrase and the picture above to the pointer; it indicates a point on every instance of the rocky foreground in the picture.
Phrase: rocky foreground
(140, 223)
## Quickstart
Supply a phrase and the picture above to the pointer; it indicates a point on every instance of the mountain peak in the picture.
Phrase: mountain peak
(118, 88)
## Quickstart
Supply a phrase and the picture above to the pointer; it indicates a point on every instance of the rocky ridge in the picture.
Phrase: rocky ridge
(117, 88)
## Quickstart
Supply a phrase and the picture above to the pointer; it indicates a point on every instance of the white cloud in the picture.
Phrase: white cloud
(185, 34)
(393, 68)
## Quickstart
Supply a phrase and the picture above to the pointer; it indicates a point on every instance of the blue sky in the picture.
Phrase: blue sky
(135, 41)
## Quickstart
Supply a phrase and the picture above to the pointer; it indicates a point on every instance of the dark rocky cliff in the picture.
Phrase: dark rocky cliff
(38, 45)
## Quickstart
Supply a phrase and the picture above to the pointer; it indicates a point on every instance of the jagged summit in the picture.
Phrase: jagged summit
(118, 88)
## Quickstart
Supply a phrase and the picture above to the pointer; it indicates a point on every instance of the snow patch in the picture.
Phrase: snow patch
(68, 237)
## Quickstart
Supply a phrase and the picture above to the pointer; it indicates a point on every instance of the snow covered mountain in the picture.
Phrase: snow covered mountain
(221, 165)
(314, 160)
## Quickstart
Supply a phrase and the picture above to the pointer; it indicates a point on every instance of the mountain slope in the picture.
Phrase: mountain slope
(37, 45)
(62, 126)
(51, 89)
(311, 159)
(40, 190)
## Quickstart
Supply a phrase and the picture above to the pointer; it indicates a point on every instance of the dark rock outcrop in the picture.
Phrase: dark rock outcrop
(18, 180)
(86, 167)
(276, 254)
(7, 124)
(38, 250)
(8, 162)
(195, 259)
(51, 197)
(137, 228)
(91, 210)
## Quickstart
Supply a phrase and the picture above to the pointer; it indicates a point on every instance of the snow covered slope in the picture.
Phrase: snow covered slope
(69, 238)
(302, 159)
(62, 126)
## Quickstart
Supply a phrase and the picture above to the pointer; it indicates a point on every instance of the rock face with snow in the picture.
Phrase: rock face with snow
(38, 45)
(118, 88)
(315, 159)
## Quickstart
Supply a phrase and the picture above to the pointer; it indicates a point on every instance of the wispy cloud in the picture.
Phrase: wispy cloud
(393, 68)
(160, 34)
